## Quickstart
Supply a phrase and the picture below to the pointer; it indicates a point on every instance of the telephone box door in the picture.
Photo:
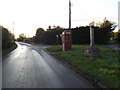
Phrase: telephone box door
(67, 40)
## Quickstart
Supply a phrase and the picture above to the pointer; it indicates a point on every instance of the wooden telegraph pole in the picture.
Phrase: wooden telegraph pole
(67, 34)
(69, 14)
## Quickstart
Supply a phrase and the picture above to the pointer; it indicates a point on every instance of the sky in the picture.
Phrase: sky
(28, 15)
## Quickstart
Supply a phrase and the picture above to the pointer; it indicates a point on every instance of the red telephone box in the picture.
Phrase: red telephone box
(67, 40)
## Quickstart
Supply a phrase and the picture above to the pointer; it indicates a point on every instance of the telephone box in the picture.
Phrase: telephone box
(67, 40)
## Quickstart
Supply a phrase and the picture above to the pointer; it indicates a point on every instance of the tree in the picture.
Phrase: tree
(7, 38)
(39, 35)
(21, 37)
(107, 27)
(108, 24)
(119, 38)
(57, 27)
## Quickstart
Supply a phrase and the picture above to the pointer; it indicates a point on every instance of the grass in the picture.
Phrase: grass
(113, 42)
(104, 69)
(11, 48)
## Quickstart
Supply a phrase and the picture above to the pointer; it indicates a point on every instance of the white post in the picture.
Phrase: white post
(118, 15)
(1, 57)
(91, 36)
(92, 51)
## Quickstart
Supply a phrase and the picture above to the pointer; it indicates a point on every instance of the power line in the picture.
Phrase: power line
(96, 19)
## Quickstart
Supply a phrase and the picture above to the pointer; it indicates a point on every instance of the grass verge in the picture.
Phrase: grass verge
(104, 69)
(11, 48)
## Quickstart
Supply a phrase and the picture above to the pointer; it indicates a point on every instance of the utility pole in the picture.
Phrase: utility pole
(67, 34)
(13, 30)
(69, 14)
(13, 27)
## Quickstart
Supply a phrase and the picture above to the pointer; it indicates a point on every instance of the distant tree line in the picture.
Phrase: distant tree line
(80, 35)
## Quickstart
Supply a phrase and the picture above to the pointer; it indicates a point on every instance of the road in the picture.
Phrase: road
(117, 47)
(30, 66)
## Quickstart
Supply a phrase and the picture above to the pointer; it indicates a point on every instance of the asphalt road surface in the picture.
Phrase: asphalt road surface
(30, 66)
(117, 47)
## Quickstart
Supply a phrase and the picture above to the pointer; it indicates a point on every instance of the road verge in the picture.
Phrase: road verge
(97, 70)
(11, 48)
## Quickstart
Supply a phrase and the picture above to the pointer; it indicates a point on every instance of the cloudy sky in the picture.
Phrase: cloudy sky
(28, 15)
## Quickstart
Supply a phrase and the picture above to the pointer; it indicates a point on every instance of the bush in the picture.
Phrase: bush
(80, 35)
